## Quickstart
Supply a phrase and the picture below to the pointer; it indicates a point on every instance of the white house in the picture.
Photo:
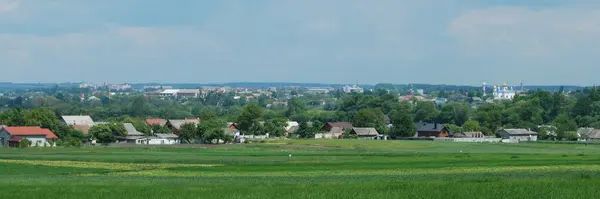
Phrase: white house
(13, 136)
(164, 139)
(518, 135)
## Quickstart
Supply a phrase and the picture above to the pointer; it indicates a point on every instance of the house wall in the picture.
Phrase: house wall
(163, 141)
(4, 137)
(522, 138)
(432, 134)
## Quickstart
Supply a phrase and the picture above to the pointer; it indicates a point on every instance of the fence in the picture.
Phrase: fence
(486, 139)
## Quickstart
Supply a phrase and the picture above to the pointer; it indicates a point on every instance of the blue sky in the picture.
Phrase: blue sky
(329, 41)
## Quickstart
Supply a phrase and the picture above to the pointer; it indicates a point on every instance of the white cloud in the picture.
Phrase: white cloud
(528, 32)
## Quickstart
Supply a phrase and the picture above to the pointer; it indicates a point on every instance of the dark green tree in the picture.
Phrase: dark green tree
(188, 132)
(251, 114)
(402, 121)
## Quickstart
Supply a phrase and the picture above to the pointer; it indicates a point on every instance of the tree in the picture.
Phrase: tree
(564, 124)
(257, 129)
(490, 117)
(25, 143)
(370, 117)
(188, 132)
(294, 106)
(103, 133)
(456, 113)
(471, 126)
(276, 127)
(425, 111)
(304, 131)
(139, 106)
(402, 121)
(160, 129)
(251, 113)
(208, 115)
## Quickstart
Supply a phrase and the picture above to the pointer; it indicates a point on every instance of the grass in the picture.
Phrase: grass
(316, 169)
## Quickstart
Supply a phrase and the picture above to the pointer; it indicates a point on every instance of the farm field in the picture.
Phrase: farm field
(316, 169)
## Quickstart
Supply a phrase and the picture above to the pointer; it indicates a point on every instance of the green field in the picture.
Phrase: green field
(316, 169)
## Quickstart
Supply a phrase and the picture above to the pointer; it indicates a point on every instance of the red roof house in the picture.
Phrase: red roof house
(35, 134)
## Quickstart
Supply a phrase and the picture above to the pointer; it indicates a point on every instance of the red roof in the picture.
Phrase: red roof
(30, 130)
(15, 139)
(156, 121)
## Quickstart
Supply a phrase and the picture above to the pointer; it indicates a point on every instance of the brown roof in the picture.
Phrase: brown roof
(83, 128)
(156, 121)
(29, 130)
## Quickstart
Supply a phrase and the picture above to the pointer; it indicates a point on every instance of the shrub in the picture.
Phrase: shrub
(25, 143)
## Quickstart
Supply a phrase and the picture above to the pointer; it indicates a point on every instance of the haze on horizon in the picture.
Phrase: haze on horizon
(464, 42)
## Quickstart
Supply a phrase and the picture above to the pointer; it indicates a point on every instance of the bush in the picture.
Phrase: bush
(25, 143)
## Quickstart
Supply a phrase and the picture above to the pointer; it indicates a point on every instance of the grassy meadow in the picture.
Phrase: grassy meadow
(316, 169)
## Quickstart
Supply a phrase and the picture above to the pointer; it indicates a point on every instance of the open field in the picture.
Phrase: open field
(317, 169)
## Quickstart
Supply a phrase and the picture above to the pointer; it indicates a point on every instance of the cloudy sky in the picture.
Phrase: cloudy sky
(329, 41)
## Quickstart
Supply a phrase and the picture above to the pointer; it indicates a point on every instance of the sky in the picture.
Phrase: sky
(464, 42)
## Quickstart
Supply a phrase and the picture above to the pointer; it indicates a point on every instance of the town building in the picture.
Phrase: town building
(504, 92)
(353, 88)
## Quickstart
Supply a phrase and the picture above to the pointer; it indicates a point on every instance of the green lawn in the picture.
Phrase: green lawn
(316, 169)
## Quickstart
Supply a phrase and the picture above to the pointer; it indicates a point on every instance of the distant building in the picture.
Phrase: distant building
(504, 92)
(353, 88)
(317, 90)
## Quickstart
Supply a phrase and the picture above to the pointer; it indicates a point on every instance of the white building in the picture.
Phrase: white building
(353, 88)
(518, 135)
(504, 92)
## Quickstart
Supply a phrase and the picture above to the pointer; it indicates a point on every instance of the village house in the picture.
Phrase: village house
(588, 134)
(432, 130)
(163, 139)
(518, 135)
(330, 125)
(364, 133)
(175, 125)
(13, 136)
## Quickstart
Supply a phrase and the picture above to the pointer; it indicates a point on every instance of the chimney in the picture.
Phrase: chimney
(435, 125)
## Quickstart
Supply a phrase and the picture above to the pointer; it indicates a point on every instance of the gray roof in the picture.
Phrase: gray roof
(166, 135)
(131, 131)
(589, 133)
(336, 130)
(520, 132)
(178, 123)
(365, 131)
(430, 127)
(78, 120)
(473, 134)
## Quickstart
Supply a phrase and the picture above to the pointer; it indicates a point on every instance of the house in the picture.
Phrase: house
(365, 133)
(156, 121)
(163, 139)
(334, 133)
(12, 136)
(133, 136)
(175, 125)
(432, 130)
(291, 124)
(330, 125)
(77, 120)
(518, 135)
(588, 134)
